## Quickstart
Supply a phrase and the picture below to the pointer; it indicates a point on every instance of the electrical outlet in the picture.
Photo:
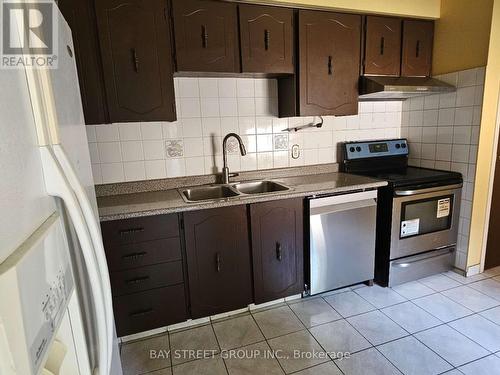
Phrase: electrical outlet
(295, 152)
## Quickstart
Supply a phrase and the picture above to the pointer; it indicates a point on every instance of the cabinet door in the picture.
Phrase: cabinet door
(266, 35)
(218, 260)
(277, 249)
(329, 46)
(80, 16)
(137, 59)
(205, 36)
(382, 46)
(417, 48)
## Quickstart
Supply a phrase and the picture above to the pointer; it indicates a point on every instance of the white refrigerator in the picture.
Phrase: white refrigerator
(56, 312)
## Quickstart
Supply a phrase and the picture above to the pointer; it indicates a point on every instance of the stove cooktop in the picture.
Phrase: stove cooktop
(414, 176)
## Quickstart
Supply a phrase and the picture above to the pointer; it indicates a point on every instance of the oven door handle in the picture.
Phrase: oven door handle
(405, 193)
(408, 263)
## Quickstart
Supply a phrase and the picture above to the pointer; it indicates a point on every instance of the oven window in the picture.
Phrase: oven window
(426, 216)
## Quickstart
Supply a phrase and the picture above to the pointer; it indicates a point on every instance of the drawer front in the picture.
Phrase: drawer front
(148, 310)
(143, 254)
(144, 278)
(119, 232)
(418, 266)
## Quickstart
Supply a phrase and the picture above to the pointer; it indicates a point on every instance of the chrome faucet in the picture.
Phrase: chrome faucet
(225, 169)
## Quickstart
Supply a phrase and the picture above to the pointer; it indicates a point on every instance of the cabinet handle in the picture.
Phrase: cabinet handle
(279, 254)
(137, 280)
(267, 36)
(204, 36)
(382, 45)
(330, 71)
(417, 49)
(217, 262)
(134, 256)
(141, 312)
(135, 58)
(125, 232)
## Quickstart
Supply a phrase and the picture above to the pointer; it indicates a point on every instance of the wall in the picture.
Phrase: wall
(209, 108)
(443, 131)
(487, 145)
(461, 35)
(411, 8)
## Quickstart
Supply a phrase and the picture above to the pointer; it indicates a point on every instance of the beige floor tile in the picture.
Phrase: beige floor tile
(315, 311)
(240, 331)
(339, 337)
(207, 366)
(186, 345)
(136, 357)
(327, 368)
(368, 361)
(298, 351)
(277, 322)
(252, 359)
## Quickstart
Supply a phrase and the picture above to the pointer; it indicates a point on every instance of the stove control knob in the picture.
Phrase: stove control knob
(358, 149)
(352, 149)
(398, 146)
(403, 145)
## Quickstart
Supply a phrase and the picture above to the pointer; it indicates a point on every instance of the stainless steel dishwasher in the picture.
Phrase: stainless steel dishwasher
(341, 240)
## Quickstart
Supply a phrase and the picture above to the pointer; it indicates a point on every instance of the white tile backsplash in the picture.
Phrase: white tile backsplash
(209, 108)
(452, 144)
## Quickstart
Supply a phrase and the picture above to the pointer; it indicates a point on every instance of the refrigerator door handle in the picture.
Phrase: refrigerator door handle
(57, 185)
(96, 238)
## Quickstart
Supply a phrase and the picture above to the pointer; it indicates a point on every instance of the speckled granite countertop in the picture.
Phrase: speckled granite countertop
(136, 204)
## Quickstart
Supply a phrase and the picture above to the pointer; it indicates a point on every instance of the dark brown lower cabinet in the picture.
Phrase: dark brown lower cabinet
(150, 309)
(218, 260)
(277, 249)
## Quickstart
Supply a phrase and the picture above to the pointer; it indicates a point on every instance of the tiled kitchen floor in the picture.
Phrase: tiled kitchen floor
(441, 324)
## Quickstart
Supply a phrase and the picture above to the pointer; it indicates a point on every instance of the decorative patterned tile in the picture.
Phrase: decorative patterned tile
(174, 148)
(281, 142)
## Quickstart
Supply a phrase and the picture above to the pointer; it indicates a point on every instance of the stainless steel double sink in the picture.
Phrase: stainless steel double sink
(237, 189)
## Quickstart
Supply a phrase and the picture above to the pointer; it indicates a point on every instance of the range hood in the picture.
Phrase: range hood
(397, 88)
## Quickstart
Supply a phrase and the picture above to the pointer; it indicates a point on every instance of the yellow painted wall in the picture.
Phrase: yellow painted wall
(461, 35)
(487, 143)
(413, 8)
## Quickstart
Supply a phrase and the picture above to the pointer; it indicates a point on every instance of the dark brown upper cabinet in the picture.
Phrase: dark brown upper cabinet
(218, 260)
(329, 63)
(80, 16)
(266, 38)
(382, 46)
(137, 59)
(417, 48)
(277, 249)
(206, 36)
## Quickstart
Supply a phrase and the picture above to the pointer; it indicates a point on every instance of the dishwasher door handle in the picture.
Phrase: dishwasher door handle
(333, 208)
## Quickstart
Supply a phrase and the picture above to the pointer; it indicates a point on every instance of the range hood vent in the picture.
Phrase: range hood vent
(397, 88)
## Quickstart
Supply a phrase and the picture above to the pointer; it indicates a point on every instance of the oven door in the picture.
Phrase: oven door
(424, 219)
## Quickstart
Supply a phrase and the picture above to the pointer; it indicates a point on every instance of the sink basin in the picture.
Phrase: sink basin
(259, 187)
(205, 193)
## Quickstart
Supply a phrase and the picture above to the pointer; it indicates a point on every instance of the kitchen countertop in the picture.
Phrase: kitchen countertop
(137, 204)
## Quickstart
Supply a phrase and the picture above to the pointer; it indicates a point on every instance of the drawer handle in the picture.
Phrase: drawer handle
(141, 312)
(267, 37)
(330, 68)
(204, 36)
(417, 49)
(134, 256)
(218, 262)
(137, 280)
(279, 253)
(125, 232)
(382, 45)
(135, 59)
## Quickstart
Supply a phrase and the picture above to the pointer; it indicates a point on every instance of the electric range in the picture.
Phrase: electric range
(417, 213)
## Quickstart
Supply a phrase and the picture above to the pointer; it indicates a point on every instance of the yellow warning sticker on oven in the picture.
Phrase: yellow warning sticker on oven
(443, 208)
